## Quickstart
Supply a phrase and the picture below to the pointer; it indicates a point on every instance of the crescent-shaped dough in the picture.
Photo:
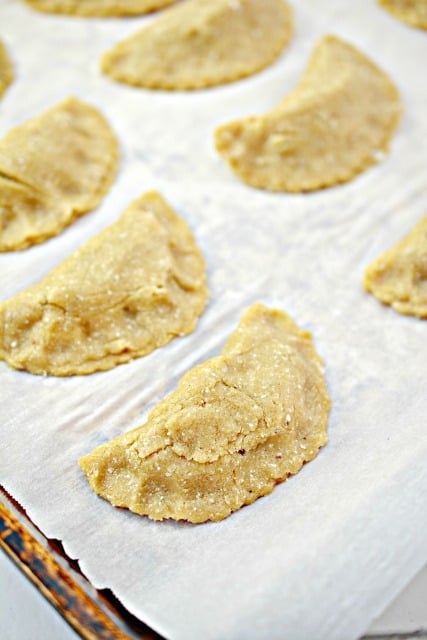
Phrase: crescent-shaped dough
(99, 8)
(413, 12)
(201, 43)
(399, 276)
(6, 71)
(235, 426)
(335, 124)
(133, 288)
(53, 169)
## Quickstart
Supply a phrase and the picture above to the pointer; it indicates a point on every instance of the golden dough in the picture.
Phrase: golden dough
(99, 8)
(235, 426)
(53, 169)
(6, 72)
(201, 43)
(133, 288)
(399, 276)
(334, 125)
(413, 12)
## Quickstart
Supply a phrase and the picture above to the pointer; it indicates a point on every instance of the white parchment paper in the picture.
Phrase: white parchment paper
(322, 555)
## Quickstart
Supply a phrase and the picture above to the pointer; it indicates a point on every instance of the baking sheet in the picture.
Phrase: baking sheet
(326, 552)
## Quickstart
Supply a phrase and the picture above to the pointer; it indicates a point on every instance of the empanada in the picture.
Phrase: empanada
(200, 43)
(6, 71)
(399, 276)
(413, 12)
(129, 290)
(99, 8)
(235, 427)
(335, 124)
(53, 169)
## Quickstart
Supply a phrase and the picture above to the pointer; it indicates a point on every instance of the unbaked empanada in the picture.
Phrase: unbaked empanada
(99, 8)
(53, 169)
(335, 124)
(235, 427)
(413, 12)
(132, 288)
(6, 71)
(201, 43)
(399, 276)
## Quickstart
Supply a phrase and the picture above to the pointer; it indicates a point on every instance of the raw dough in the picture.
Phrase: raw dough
(133, 288)
(99, 8)
(413, 12)
(399, 276)
(6, 72)
(53, 168)
(201, 43)
(335, 124)
(235, 426)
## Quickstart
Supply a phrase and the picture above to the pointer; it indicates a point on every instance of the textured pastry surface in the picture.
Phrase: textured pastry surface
(399, 276)
(413, 12)
(6, 71)
(235, 426)
(130, 289)
(335, 124)
(53, 168)
(99, 8)
(201, 43)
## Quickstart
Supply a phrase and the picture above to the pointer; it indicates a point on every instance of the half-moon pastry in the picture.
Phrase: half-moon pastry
(413, 12)
(336, 123)
(99, 8)
(235, 427)
(399, 276)
(200, 43)
(53, 169)
(6, 71)
(127, 291)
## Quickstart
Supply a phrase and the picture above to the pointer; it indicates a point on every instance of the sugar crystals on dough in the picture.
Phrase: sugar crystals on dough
(235, 427)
